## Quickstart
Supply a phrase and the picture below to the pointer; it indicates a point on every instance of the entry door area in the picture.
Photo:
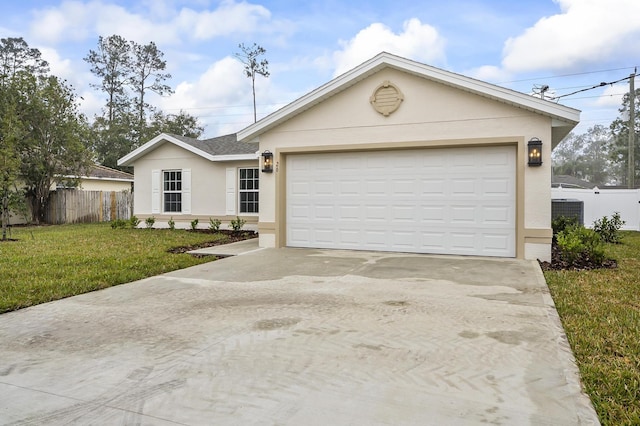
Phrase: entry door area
(441, 201)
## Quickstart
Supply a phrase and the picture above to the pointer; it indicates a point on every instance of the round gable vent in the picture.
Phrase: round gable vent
(386, 98)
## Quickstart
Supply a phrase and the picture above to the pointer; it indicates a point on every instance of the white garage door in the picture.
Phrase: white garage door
(446, 201)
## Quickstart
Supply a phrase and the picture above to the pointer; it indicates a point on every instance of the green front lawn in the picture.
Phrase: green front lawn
(52, 262)
(600, 311)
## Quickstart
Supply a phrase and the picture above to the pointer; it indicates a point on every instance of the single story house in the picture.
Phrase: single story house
(96, 178)
(566, 181)
(183, 179)
(394, 155)
(100, 178)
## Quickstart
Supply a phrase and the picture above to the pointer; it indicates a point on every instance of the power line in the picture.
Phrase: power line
(590, 88)
(566, 75)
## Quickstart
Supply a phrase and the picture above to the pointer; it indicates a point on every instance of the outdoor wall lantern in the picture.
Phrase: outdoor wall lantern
(267, 161)
(534, 147)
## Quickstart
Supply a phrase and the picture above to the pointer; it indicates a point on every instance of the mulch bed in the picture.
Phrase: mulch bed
(232, 237)
(584, 264)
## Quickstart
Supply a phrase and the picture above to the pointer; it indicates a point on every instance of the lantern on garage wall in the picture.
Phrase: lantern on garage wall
(534, 149)
(267, 161)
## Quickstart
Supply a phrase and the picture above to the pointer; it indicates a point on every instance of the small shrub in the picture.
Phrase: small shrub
(214, 224)
(134, 222)
(148, 222)
(172, 223)
(237, 224)
(609, 229)
(194, 224)
(561, 223)
(578, 243)
(119, 224)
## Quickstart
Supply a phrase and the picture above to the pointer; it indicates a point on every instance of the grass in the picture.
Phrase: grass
(52, 262)
(600, 311)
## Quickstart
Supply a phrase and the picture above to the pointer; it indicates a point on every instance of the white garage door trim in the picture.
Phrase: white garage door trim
(444, 201)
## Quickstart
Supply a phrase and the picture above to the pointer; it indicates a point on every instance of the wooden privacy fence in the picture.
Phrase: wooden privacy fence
(76, 206)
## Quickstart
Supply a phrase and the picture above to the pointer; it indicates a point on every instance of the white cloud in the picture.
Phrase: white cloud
(489, 73)
(220, 97)
(586, 32)
(612, 95)
(78, 20)
(58, 66)
(417, 41)
(229, 18)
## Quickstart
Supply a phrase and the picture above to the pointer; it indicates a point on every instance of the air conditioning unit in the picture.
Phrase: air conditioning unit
(568, 208)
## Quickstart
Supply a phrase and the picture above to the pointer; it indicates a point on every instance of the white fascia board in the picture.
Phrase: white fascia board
(106, 178)
(562, 113)
(233, 157)
(141, 150)
(96, 178)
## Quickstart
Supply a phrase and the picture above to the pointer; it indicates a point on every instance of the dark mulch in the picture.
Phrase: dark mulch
(232, 237)
(583, 264)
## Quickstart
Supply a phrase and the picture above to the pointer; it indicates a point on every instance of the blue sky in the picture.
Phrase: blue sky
(566, 44)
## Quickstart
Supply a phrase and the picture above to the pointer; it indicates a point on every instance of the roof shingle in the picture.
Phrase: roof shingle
(221, 145)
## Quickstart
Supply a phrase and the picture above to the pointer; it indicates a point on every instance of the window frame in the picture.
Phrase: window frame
(254, 181)
(165, 191)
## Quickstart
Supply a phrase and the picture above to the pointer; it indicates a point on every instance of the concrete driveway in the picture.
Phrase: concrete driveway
(299, 337)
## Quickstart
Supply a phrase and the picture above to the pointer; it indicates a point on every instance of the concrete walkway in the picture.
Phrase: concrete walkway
(233, 249)
(299, 337)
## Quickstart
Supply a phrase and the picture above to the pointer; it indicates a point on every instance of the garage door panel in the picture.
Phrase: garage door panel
(350, 213)
(497, 242)
(376, 213)
(432, 187)
(432, 241)
(464, 215)
(322, 188)
(492, 187)
(433, 215)
(500, 215)
(463, 160)
(429, 201)
(375, 188)
(323, 236)
(463, 241)
(324, 212)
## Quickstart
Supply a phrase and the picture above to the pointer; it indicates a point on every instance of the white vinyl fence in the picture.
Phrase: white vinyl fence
(605, 202)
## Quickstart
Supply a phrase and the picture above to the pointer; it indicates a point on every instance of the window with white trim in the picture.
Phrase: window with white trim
(249, 190)
(172, 191)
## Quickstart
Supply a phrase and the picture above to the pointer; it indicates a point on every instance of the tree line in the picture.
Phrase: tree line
(45, 139)
(601, 154)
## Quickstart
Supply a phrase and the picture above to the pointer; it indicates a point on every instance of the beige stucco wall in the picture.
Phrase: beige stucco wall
(207, 185)
(431, 115)
(104, 185)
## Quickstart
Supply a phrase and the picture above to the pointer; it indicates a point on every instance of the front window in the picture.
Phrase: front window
(172, 193)
(249, 190)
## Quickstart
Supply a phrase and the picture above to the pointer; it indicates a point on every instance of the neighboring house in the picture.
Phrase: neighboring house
(566, 181)
(101, 178)
(97, 178)
(393, 155)
(186, 179)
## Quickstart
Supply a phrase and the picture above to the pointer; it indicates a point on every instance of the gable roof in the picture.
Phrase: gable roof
(221, 148)
(99, 171)
(563, 118)
(567, 181)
